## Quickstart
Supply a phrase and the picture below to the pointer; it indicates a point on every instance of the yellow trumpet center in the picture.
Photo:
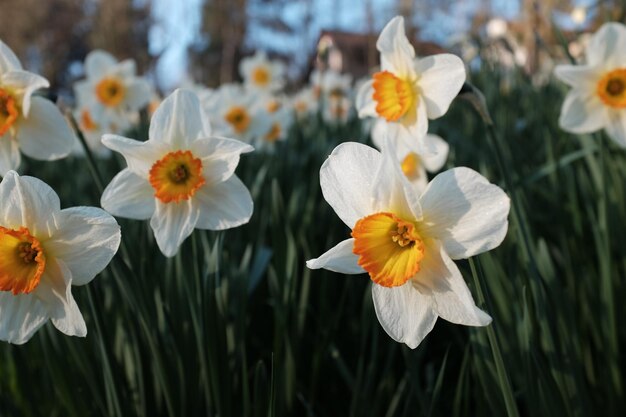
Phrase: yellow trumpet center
(239, 118)
(9, 111)
(389, 248)
(394, 96)
(612, 88)
(176, 177)
(274, 133)
(410, 166)
(261, 76)
(110, 92)
(22, 261)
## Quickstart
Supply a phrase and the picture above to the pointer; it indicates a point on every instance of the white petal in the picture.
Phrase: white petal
(86, 241)
(440, 279)
(138, 94)
(406, 315)
(45, 134)
(28, 202)
(582, 113)
(8, 60)
(607, 47)
(179, 119)
(55, 292)
(98, 63)
(224, 205)
(129, 196)
(139, 156)
(413, 127)
(172, 223)
(220, 157)
(339, 258)
(10, 157)
(616, 127)
(441, 79)
(26, 83)
(396, 52)
(435, 160)
(365, 103)
(392, 190)
(347, 179)
(465, 212)
(20, 315)
(579, 77)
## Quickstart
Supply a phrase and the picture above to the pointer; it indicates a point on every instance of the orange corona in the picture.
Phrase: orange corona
(176, 177)
(274, 133)
(261, 76)
(612, 88)
(110, 92)
(410, 166)
(239, 118)
(22, 261)
(394, 96)
(389, 248)
(9, 111)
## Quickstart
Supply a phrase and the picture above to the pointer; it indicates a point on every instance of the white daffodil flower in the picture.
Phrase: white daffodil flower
(43, 252)
(92, 131)
(181, 178)
(414, 164)
(409, 91)
(598, 96)
(305, 103)
(112, 90)
(261, 74)
(406, 241)
(280, 120)
(237, 113)
(28, 123)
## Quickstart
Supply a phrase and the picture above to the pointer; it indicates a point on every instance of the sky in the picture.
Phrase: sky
(177, 23)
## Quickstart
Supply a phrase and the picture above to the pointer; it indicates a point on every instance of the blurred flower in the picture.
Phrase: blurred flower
(112, 91)
(43, 252)
(261, 74)
(414, 164)
(406, 241)
(336, 109)
(304, 102)
(280, 119)
(598, 96)
(92, 131)
(181, 178)
(408, 91)
(28, 123)
(237, 113)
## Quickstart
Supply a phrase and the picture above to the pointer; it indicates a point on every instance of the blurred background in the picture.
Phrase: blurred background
(203, 40)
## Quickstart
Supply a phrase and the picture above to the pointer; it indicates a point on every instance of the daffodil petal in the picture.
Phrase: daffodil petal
(86, 241)
(347, 180)
(138, 94)
(440, 279)
(20, 316)
(10, 156)
(364, 102)
(8, 60)
(179, 120)
(404, 313)
(55, 291)
(130, 196)
(607, 47)
(392, 191)
(224, 205)
(582, 113)
(579, 77)
(441, 79)
(28, 201)
(465, 212)
(139, 156)
(172, 223)
(339, 258)
(435, 160)
(616, 127)
(396, 52)
(45, 134)
(220, 157)
(98, 63)
(26, 83)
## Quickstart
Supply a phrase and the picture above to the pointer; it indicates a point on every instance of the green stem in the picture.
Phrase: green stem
(505, 384)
